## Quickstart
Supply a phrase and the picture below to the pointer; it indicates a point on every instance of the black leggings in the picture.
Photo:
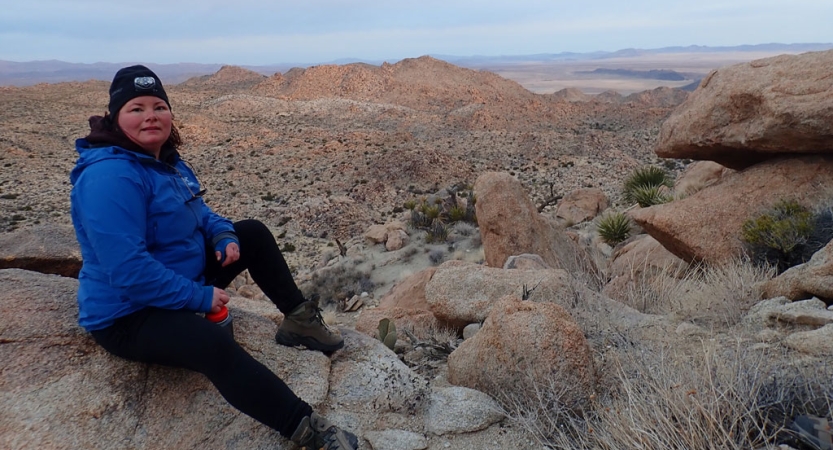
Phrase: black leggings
(180, 338)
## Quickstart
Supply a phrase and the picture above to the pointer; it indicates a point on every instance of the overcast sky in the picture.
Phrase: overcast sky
(261, 32)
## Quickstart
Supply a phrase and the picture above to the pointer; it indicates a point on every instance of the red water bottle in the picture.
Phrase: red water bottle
(222, 318)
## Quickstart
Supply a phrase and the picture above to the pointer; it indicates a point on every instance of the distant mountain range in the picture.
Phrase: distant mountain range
(33, 72)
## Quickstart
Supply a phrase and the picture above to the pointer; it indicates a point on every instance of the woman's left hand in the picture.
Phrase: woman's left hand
(232, 254)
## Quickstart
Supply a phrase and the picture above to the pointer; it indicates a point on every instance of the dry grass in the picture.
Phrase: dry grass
(719, 391)
(717, 398)
(707, 295)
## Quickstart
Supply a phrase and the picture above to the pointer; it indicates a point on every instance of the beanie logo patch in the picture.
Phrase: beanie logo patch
(144, 83)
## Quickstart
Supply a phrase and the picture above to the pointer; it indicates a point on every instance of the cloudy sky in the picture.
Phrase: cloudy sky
(260, 32)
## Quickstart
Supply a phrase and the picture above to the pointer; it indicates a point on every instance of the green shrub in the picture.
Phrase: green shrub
(646, 176)
(614, 227)
(647, 196)
(780, 236)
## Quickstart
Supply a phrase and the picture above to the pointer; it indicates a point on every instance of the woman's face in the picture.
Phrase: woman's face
(146, 121)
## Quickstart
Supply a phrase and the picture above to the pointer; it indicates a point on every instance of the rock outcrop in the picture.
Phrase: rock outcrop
(526, 345)
(748, 113)
(510, 225)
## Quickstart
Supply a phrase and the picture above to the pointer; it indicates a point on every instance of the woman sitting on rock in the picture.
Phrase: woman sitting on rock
(154, 254)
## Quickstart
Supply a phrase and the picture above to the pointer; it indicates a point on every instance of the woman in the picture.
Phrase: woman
(155, 254)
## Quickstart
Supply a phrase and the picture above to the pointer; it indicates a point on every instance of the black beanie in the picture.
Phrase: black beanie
(131, 82)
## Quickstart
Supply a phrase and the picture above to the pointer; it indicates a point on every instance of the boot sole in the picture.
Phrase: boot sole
(293, 340)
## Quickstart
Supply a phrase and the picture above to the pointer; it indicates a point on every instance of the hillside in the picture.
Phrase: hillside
(324, 152)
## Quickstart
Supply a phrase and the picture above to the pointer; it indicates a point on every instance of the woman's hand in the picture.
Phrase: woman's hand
(232, 253)
(220, 298)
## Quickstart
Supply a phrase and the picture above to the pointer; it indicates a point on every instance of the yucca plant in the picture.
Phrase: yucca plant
(456, 213)
(642, 177)
(614, 227)
(437, 232)
(647, 196)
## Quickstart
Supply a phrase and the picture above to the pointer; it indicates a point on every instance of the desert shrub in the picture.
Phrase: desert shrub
(436, 256)
(437, 232)
(464, 229)
(647, 196)
(614, 227)
(642, 177)
(786, 235)
(410, 204)
(336, 283)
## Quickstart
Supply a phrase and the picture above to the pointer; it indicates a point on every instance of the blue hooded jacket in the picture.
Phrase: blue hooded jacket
(143, 234)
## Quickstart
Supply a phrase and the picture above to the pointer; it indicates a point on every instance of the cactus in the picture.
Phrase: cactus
(387, 333)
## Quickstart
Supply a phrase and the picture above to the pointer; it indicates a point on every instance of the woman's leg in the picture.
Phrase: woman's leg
(184, 339)
(260, 254)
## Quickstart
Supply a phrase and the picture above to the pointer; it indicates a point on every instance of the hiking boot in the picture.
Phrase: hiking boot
(815, 431)
(317, 433)
(305, 326)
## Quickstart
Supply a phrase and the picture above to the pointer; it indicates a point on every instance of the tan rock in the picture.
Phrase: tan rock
(811, 279)
(462, 293)
(637, 262)
(510, 225)
(699, 175)
(414, 320)
(526, 262)
(404, 303)
(747, 113)
(47, 248)
(581, 205)
(376, 234)
(396, 240)
(523, 345)
(410, 292)
(707, 225)
(814, 342)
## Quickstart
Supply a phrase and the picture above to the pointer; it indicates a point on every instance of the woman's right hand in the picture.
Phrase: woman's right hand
(220, 298)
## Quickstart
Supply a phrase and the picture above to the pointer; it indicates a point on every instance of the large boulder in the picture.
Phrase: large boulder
(747, 113)
(61, 390)
(524, 346)
(511, 225)
(707, 225)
